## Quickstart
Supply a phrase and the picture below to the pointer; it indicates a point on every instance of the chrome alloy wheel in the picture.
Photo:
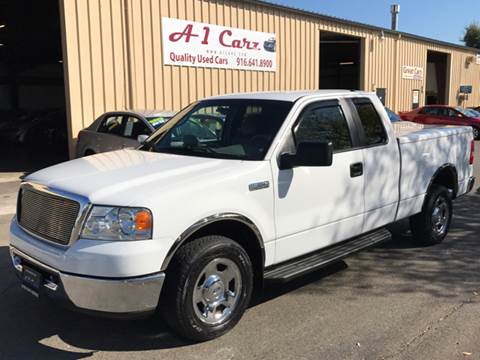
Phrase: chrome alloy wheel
(440, 215)
(217, 291)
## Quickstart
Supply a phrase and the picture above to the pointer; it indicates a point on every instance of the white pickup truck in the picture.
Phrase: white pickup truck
(235, 190)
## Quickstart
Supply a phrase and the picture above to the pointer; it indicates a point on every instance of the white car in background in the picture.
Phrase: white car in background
(120, 129)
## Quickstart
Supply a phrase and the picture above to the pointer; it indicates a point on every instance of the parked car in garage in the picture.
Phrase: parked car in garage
(445, 115)
(120, 129)
(47, 127)
(44, 129)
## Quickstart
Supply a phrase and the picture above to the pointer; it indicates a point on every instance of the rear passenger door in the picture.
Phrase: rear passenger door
(381, 163)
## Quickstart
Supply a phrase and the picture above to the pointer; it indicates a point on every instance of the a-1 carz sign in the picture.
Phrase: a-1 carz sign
(189, 43)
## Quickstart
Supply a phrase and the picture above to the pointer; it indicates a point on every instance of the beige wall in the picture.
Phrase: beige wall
(113, 56)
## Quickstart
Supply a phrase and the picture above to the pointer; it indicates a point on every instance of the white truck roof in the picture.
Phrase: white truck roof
(289, 95)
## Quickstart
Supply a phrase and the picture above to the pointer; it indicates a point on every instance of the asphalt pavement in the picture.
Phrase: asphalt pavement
(396, 301)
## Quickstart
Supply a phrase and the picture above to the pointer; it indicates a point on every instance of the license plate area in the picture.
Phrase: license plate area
(32, 280)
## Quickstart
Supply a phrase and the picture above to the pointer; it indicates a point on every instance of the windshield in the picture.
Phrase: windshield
(229, 129)
(157, 121)
(393, 116)
(468, 112)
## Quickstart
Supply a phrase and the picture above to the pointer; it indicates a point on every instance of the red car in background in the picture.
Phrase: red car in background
(445, 115)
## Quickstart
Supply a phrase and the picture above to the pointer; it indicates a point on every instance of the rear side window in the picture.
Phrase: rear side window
(371, 122)
(113, 125)
(326, 123)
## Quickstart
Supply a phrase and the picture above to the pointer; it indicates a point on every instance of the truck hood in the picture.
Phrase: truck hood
(134, 174)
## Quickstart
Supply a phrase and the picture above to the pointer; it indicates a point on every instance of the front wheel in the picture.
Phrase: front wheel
(431, 226)
(208, 288)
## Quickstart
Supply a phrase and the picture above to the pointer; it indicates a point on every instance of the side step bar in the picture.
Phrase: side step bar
(300, 266)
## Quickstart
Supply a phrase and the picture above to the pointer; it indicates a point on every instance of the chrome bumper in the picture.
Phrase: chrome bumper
(114, 296)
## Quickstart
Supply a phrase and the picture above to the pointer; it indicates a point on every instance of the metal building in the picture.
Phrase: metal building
(113, 58)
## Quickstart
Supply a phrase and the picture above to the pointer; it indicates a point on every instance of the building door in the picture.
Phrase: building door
(437, 78)
(340, 61)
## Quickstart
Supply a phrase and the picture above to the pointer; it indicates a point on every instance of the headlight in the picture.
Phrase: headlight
(118, 223)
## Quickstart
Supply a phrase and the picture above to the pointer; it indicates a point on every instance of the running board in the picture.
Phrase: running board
(300, 266)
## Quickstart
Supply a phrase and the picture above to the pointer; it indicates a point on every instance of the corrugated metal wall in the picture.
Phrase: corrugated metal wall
(113, 56)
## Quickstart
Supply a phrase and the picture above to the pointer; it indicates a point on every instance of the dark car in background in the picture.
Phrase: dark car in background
(120, 129)
(393, 116)
(445, 115)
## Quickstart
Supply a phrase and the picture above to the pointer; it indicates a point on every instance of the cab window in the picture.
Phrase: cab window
(372, 123)
(324, 123)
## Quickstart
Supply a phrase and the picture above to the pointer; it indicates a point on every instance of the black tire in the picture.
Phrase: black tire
(476, 133)
(184, 274)
(89, 153)
(429, 228)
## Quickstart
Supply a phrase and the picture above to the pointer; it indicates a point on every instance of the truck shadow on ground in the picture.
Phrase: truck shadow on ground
(28, 327)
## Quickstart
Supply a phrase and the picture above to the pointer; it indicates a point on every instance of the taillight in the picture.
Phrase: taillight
(79, 134)
(472, 152)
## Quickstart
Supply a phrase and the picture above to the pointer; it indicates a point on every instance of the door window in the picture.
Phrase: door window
(134, 127)
(371, 122)
(324, 123)
(429, 111)
(113, 125)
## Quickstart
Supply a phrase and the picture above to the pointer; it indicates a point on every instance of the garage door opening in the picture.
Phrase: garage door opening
(33, 125)
(340, 57)
(437, 78)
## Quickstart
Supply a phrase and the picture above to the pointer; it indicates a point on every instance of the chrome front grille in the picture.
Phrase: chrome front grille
(47, 215)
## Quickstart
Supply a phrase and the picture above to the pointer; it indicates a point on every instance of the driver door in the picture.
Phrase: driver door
(318, 206)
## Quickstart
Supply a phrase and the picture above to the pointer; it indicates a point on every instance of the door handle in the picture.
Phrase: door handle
(356, 169)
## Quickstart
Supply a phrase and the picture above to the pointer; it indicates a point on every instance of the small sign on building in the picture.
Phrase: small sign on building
(412, 72)
(415, 98)
(466, 89)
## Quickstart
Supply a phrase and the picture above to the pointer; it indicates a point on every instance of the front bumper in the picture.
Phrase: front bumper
(124, 296)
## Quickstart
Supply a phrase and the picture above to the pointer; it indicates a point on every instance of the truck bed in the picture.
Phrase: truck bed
(423, 148)
(410, 130)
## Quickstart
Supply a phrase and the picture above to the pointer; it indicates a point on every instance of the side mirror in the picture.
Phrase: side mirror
(309, 153)
(141, 138)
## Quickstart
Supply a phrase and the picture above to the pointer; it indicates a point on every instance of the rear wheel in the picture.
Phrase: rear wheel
(476, 133)
(208, 288)
(89, 152)
(431, 226)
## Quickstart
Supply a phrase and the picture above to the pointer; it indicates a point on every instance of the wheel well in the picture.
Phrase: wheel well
(242, 234)
(446, 176)
(89, 152)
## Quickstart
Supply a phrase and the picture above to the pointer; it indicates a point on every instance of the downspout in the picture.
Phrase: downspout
(127, 72)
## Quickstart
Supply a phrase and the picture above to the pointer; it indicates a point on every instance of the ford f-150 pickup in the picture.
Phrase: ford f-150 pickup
(193, 222)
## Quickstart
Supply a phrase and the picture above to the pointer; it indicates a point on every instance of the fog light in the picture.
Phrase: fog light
(17, 262)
